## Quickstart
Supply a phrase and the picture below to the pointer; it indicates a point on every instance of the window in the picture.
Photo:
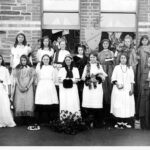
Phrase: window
(118, 15)
(61, 14)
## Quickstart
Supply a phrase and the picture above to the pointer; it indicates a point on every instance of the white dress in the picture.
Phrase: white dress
(6, 118)
(41, 53)
(46, 92)
(16, 52)
(69, 98)
(122, 104)
(93, 98)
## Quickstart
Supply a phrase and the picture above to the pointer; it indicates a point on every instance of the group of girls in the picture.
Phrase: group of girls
(93, 88)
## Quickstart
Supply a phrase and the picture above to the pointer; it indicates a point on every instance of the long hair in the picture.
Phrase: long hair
(50, 60)
(24, 41)
(144, 37)
(127, 57)
(3, 63)
(49, 42)
(64, 63)
(80, 46)
(20, 65)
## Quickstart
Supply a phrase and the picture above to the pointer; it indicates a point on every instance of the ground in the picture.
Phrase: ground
(20, 136)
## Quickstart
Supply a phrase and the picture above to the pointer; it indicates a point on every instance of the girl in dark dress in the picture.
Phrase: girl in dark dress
(80, 61)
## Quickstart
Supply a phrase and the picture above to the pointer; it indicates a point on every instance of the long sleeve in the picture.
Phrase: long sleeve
(84, 73)
(75, 74)
(114, 75)
(7, 77)
(131, 75)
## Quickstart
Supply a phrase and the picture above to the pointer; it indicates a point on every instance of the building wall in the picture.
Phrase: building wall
(15, 16)
(143, 18)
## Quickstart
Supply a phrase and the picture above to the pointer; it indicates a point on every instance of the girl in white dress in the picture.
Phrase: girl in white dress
(6, 118)
(46, 48)
(69, 98)
(122, 98)
(46, 95)
(93, 75)
(20, 48)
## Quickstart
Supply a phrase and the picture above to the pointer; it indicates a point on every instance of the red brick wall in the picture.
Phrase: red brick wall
(143, 18)
(89, 16)
(15, 16)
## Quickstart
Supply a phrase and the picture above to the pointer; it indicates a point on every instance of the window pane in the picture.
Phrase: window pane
(119, 5)
(61, 5)
(61, 19)
(118, 20)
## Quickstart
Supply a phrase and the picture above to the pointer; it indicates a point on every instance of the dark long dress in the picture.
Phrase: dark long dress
(80, 64)
(108, 67)
(143, 101)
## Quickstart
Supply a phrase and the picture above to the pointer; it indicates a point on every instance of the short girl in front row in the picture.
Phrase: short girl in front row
(6, 118)
(93, 75)
(122, 98)
(23, 92)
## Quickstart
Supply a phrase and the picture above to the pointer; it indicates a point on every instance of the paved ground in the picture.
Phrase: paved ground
(20, 136)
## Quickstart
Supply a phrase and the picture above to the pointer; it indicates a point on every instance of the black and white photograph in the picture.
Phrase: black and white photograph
(75, 73)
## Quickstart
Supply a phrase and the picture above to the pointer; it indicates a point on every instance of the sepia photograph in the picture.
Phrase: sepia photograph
(75, 73)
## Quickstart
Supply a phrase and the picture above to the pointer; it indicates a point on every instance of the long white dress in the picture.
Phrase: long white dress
(69, 98)
(93, 98)
(6, 118)
(46, 91)
(122, 104)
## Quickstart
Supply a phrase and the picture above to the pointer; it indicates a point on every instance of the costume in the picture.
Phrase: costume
(122, 104)
(24, 101)
(69, 98)
(46, 95)
(143, 105)
(6, 118)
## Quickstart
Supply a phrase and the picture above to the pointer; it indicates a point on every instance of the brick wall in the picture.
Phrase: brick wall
(15, 16)
(143, 18)
(89, 17)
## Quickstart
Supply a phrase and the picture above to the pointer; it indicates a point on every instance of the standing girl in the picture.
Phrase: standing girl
(6, 118)
(106, 59)
(122, 98)
(93, 75)
(68, 77)
(129, 49)
(46, 95)
(23, 94)
(20, 48)
(143, 105)
(46, 48)
(59, 59)
(80, 60)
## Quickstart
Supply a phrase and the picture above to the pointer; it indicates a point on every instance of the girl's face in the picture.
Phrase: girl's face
(68, 61)
(46, 42)
(23, 61)
(1, 59)
(62, 45)
(93, 58)
(145, 42)
(127, 42)
(20, 38)
(123, 60)
(46, 60)
(80, 50)
(105, 45)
